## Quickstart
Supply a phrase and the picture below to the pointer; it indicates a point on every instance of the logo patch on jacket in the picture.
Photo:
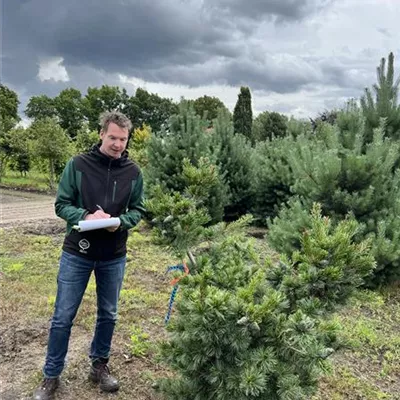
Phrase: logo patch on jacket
(84, 244)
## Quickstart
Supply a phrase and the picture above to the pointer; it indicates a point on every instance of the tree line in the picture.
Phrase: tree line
(68, 123)
(270, 166)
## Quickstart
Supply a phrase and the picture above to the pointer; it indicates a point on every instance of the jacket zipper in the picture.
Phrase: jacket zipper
(114, 190)
(108, 182)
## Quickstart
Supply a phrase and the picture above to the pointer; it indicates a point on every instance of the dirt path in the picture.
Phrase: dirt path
(17, 206)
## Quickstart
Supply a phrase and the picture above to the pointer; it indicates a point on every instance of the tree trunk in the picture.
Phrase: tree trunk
(3, 163)
(51, 174)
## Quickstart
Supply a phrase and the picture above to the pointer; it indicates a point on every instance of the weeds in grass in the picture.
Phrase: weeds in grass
(139, 343)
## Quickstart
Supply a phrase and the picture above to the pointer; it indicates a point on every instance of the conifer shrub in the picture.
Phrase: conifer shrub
(246, 328)
(179, 219)
(234, 157)
(381, 101)
(185, 137)
(286, 229)
(335, 169)
(272, 178)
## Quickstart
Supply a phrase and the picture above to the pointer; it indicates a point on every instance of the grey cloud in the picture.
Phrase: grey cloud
(254, 68)
(132, 36)
(384, 32)
(185, 42)
(278, 9)
(346, 72)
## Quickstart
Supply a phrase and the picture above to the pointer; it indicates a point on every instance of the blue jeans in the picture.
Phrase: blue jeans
(72, 280)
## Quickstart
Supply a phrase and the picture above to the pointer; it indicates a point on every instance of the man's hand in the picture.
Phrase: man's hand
(113, 228)
(99, 214)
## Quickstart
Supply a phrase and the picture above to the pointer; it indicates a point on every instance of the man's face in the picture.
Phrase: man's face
(114, 140)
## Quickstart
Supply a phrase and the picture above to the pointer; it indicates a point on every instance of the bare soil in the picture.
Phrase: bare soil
(23, 342)
(18, 206)
(23, 348)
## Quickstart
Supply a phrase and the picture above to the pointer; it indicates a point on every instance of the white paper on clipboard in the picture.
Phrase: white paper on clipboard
(93, 224)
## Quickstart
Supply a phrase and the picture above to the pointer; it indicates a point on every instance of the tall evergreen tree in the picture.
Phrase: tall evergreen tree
(185, 137)
(235, 159)
(243, 114)
(381, 101)
(272, 177)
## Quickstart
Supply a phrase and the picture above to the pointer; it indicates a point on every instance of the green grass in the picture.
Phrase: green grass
(367, 368)
(139, 344)
(33, 180)
(369, 365)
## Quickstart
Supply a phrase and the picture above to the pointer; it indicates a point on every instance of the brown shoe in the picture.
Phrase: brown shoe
(100, 373)
(47, 389)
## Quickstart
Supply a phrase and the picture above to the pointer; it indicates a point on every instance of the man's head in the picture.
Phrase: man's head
(114, 133)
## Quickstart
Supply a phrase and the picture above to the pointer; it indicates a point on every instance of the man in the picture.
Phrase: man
(101, 184)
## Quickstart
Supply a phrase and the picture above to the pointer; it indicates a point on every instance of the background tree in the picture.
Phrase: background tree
(40, 107)
(328, 117)
(185, 137)
(235, 159)
(208, 106)
(138, 145)
(268, 125)
(69, 107)
(86, 139)
(8, 119)
(51, 146)
(334, 169)
(99, 100)
(150, 109)
(5, 149)
(243, 114)
(296, 127)
(9, 108)
(273, 177)
(21, 153)
(384, 104)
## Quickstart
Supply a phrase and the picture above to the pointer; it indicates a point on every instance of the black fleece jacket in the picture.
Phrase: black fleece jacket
(92, 180)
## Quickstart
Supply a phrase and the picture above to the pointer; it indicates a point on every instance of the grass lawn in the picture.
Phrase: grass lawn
(33, 180)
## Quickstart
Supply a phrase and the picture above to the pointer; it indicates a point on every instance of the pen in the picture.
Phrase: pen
(99, 207)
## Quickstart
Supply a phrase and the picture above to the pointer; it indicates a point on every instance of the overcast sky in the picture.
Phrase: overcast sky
(298, 57)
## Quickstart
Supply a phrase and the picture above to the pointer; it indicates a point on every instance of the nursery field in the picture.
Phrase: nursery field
(19, 207)
(367, 367)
